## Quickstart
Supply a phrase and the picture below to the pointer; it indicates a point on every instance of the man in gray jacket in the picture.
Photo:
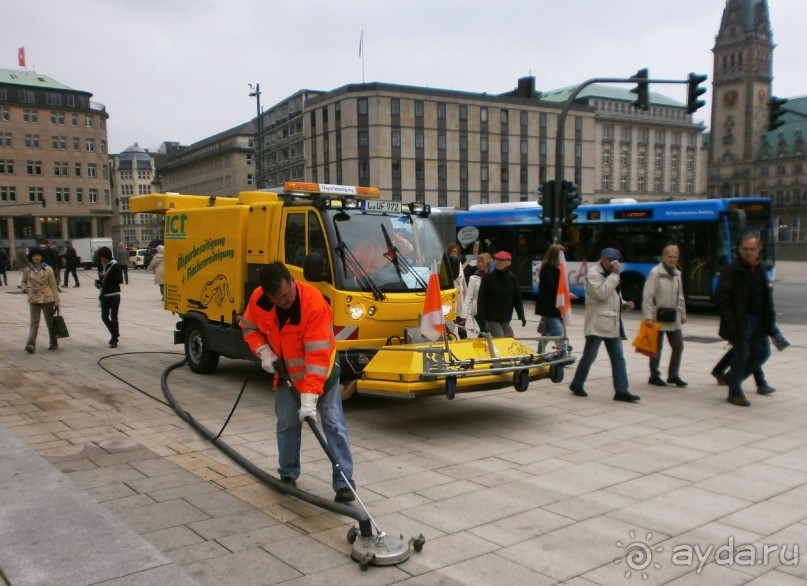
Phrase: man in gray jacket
(603, 323)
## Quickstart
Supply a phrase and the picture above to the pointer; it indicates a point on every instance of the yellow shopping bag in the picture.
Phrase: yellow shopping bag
(646, 341)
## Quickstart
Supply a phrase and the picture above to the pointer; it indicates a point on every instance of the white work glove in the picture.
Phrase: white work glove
(308, 406)
(267, 357)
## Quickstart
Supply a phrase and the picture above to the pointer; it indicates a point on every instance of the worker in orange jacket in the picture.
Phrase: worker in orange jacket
(291, 322)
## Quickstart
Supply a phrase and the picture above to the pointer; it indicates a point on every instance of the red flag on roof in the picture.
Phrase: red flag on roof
(432, 324)
(21, 56)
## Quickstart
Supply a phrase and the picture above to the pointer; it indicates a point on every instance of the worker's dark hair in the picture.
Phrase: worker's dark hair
(272, 277)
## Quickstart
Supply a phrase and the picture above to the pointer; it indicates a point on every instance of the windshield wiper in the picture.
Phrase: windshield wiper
(350, 262)
(399, 260)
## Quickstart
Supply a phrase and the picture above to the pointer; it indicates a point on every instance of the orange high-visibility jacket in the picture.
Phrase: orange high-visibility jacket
(305, 344)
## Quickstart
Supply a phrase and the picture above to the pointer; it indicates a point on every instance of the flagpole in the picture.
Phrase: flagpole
(361, 54)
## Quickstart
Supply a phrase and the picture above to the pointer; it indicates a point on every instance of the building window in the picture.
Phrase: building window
(418, 108)
(420, 170)
(418, 140)
(505, 146)
(442, 174)
(658, 161)
(641, 160)
(5, 139)
(30, 116)
(657, 183)
(542, 147)
(441, 141)
(361, 104)
(524, 118)
(623, 183)
(396, 138)
(626, 133)
(542, 120)
(606, 157)
(93, 193)
(5, 114)
(463, 172)
(441, 111)
(463, 112)
(675, 186)
(57, 118)
(90, 145)
(624, 158)
(364, 139)
(6, 167)
(60, 169)
(524, 146)
(34, 167)
(395, 107)
(76, 143)
(505, 117)
(79, 194)
(52, 99)
(58, 143)
(88, 122)
(91, 170)
(483, 174)
(32, 141)
(644, 134)
(36, 194)
(483, 114)
(675, 161)
(661, 136)
(606, 183)
(483, 144)
(463, 142)
(8, 193)
(364, 169)
(641, 184)
(396, 170)
(608, 131)
(63, 195)
(504, 174)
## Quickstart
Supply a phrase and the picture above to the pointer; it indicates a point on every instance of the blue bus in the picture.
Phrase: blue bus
(707, 232)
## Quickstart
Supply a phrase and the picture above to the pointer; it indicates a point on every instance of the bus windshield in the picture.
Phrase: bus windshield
(386, 252)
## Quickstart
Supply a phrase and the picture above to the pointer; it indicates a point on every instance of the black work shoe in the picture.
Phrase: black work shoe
(29, 349)
(721, 378)
(289, 480)
(53, 346)
(739, 400)
(113, 344)
(658, 381)
(344, 495)
(677, 381)
(577, 390)
(766, 389)
(627, 397)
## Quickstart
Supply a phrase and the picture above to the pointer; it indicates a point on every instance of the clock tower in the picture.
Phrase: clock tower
(742, 75)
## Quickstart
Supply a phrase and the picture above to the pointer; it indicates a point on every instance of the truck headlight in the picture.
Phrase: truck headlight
(446, 307)
(356, 311)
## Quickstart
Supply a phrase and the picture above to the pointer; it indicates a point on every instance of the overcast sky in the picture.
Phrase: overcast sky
(178, 70)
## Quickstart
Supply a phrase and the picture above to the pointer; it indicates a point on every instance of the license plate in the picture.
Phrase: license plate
(382, 205)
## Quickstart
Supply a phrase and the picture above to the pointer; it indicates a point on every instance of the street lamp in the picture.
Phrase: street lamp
(256, 93)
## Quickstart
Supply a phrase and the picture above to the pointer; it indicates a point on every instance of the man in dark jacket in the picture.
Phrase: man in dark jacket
(109, 280)
(499, 294)
(745, 300)
(70, 264)
(54, 260)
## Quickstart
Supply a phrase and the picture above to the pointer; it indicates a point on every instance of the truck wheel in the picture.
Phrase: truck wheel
(200, 359)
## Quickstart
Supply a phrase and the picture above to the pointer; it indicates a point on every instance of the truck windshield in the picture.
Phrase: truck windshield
(390, 253)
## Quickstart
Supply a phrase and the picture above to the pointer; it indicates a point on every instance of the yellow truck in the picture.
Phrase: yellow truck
(371, 259)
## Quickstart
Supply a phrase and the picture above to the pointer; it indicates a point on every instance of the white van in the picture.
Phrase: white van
(137, 258)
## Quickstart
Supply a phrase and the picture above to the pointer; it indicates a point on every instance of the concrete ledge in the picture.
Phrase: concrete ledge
(54, 533)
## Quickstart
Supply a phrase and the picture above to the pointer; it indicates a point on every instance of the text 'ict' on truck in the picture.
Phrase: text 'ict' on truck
(370, 258)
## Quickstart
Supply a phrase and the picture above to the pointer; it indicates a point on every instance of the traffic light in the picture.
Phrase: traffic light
(642, 91)
(694, 92)
(547, 200)
(570, 196)
(776, 109)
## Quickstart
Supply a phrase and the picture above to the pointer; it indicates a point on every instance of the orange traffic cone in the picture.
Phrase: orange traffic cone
(432, 324)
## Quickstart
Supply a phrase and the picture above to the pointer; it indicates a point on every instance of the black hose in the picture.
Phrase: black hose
(365, 527)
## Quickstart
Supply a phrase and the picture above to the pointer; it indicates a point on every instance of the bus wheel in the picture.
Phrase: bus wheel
(200, 359)
(348, 389)
(632, 290)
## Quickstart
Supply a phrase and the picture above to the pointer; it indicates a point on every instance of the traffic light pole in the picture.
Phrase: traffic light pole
(555, 221)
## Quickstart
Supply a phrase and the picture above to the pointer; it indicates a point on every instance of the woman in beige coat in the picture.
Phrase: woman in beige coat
(663, 291)
(157, 266)
(39, 283)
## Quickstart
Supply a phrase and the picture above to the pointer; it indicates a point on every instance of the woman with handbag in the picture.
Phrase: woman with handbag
(39, 283)
(663, 302)
(546, 300)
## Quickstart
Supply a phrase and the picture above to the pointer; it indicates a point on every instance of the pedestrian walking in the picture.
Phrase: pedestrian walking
(663, 302)
(3, 267)
(744, 299)
(108, 282)
(122, 258)
(603, 324)
(70, 264)
(471, 301)
(458, 277)
(20, 262)
(290, 325)
(499, 294)
(39, 284)
(53, 259)
(157, 266)
(546, 302)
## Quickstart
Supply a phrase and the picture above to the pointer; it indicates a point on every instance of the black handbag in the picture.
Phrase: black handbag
(59, 326)
(666, 314)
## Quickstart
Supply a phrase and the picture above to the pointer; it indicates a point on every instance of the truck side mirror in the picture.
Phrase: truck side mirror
(314, 270)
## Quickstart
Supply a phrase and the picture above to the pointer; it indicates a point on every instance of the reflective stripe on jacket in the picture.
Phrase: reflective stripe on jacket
(305, 344)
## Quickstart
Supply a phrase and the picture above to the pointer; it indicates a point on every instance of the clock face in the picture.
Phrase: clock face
(730, 99)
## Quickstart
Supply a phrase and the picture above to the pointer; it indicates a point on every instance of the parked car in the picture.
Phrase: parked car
(137, 258)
